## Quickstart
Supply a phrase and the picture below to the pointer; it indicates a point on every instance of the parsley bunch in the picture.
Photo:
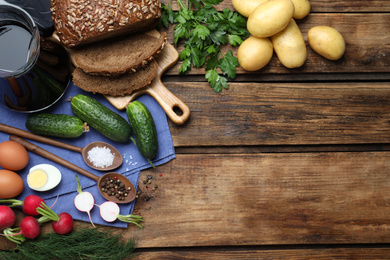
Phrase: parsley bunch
(204, 31)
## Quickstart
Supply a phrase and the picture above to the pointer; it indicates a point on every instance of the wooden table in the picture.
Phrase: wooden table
(286, 163)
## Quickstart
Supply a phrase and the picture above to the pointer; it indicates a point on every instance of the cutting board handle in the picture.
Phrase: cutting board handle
(170, 103)
(175, 109)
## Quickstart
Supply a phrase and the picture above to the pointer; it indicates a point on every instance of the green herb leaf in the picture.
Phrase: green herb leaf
(228, 64)
(218, 37)
(167, 16)
(180, 32)
(217, 82)
(195, 55)
(184, 54)
(185, 66)
(213, 61)
(201, 31)
(235, 40)
(204, 30)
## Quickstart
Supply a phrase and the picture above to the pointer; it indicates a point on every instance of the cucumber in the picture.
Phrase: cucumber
(57, 125)
(144, 129)
(101, 118)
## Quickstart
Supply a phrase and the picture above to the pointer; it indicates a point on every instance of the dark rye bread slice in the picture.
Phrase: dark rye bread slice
(120, 85)
(119, 55)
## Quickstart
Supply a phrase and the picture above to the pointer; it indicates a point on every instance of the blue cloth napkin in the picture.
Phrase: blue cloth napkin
(133, 162)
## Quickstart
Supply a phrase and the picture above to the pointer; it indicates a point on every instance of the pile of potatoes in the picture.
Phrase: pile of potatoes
(273, 28)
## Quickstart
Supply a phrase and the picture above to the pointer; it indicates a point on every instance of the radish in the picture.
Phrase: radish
(62, 223)
(109, 211)
(30, 204)
(7, 217)
(29, 228)
(84, 201)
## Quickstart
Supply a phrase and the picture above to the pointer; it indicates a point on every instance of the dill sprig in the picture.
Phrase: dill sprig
(86, 243)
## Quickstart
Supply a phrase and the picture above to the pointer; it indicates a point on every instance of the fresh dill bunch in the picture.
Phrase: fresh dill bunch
(86, 243)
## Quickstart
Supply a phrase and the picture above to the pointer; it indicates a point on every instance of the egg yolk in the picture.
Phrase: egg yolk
(37, 179)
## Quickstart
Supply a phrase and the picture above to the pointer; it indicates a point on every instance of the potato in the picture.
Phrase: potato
(302, 8)
(254, 53)
(290, 46)
(270, 18)
(246, 7)
(327, 42)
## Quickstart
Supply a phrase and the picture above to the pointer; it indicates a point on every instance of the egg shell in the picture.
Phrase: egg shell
(11, 184)
(13, 156)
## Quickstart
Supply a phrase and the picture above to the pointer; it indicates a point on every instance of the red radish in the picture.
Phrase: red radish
(109, 211)
(7, 217)
(62, 223)
(30, 204)
(84, 201)
(29, 227)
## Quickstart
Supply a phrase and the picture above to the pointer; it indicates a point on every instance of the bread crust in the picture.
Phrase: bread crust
(78, 22)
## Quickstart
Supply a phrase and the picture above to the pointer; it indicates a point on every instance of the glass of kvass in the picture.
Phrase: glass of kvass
(35, 72)
(19, 41)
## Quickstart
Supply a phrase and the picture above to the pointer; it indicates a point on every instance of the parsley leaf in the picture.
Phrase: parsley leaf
(216, 81)
(185, 66)
(213, 61)
(235, 40)
(168, 17)
(204, 30)
(201, 31)
(228, 64)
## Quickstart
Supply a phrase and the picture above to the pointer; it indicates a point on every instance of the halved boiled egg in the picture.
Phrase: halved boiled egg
(43, 177)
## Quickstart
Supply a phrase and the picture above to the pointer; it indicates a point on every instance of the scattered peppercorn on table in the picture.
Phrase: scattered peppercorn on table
(285, 163)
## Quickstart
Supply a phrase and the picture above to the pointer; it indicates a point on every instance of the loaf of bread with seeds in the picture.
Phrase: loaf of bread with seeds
(78, 22)
(126, 54)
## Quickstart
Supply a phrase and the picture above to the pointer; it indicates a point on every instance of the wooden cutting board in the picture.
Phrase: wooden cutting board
(168, 101)
(175, 109)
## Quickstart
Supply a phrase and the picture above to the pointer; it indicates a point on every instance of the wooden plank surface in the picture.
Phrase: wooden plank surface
(254, 253)
(266, 199)
(286, 164)
(373, 6)
(222, 197)
(284, 114)
(367, 38)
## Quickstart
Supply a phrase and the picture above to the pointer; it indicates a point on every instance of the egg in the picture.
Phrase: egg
(43, 177)
(13, 156)
(11, 184)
